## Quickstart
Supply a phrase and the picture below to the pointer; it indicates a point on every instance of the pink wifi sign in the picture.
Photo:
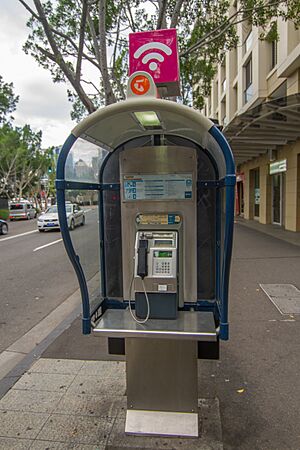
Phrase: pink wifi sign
(156, 53)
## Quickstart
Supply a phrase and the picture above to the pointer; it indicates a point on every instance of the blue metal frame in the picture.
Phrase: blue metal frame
(229, 185)
(74, 258)
(220, 307)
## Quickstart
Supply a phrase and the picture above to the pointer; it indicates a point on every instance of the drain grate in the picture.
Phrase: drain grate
(286, 297)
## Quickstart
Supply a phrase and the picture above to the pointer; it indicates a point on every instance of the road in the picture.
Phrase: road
(36, 275)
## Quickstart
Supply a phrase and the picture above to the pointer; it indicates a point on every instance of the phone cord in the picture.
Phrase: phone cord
(147, 301)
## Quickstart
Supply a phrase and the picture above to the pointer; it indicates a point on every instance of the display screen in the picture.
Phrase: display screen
(163, 242)
(163, 254)
(173, 186)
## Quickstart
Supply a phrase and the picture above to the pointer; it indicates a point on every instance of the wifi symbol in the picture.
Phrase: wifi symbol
(153, 55)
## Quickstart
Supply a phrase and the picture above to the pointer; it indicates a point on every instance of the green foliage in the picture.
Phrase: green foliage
(22, 162)
(272, 34)
(4, 213)
(214, 33)
(206, 30)
(8, 101)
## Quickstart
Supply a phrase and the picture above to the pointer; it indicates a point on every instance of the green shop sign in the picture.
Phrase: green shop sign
(278, 166)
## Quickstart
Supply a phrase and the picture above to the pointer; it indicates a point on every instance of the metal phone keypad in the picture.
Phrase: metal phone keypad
(162, 253)
(162, 267)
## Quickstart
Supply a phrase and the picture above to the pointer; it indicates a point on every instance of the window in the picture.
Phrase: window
(248, 93)
(273, 54)
(248, 42)
(17, 206)
(224, 85)
(256, 193)
(234, 98)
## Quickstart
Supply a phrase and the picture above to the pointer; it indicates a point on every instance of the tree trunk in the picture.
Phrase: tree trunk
(109, 95)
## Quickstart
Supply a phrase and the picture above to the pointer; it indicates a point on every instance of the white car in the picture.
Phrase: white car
(21, 210)
(49, 219)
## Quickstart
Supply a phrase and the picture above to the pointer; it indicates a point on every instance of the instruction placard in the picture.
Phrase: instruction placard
(177, 186)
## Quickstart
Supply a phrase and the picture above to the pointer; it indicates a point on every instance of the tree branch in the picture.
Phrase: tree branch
(60, 60)
(92, 84)
(109, 95)
(176, 13)
(81, 39)
(29, 10)
(226, 25)
(94, 39)
(161, 20)
(130, 18)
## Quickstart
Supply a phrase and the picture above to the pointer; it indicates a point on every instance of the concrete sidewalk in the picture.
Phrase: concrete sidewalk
(75, 404)
(272, 230)
(253, 392)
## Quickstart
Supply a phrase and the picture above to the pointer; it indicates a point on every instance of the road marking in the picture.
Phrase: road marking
(47, 245)
(18, 235)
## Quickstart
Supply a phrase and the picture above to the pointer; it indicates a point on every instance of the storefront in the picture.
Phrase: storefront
(266, 145)
(256, 193)
(239, 207)
(277, 171)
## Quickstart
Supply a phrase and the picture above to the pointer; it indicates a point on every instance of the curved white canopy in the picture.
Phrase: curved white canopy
(116, 124)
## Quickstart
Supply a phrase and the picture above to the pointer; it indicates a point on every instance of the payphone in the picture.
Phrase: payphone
(156, 258)
(165, 195)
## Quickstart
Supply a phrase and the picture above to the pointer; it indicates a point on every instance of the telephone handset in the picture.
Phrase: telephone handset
(142, 263)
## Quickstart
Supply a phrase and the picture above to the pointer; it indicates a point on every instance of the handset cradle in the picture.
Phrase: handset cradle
(142, 264)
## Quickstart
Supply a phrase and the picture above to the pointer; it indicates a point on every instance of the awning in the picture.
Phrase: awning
(263, 128)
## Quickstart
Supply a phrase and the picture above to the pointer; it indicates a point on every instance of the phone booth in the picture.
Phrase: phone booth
(156, 183)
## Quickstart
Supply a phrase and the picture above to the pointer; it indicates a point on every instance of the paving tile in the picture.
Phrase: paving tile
(53, 382)
(14, 444)
(82, 447)
(30, 401)
(62, 366)
(89, 405)
(76, 429)
(96, 385)
(107, 369)
(20, 424)
(45, 445)
(50, 445)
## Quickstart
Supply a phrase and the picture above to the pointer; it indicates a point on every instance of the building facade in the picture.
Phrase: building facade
(255, 96)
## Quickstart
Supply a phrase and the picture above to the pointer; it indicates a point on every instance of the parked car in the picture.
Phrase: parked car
(3, 227)
(49, 219)
(21, 210)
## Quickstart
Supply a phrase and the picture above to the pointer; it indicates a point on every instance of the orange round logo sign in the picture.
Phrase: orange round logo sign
(140, 85)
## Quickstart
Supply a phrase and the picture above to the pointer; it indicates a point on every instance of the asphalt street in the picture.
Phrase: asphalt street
(257, 378)
(36, 275)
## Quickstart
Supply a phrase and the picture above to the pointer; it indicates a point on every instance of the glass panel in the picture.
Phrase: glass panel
(206, 229)
(16, 206)
(248, 42)
(273, 54)
(277, 198)
(224, 85)
(220, 232)
(256, 193)
(84, 162)
(84, 231)
(249, 93)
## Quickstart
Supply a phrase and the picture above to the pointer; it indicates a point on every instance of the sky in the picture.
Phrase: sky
(42, 104)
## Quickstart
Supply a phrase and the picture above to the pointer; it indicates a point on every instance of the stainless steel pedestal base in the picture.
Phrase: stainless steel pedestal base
(161, 423)
(162, 397)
